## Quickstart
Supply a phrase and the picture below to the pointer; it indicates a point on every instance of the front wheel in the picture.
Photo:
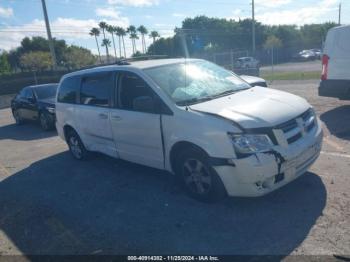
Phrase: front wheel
(76, 147)
(45, 123)
(198, 177)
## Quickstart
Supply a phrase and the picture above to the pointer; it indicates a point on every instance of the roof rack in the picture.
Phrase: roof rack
(125, 61)
(139, 58)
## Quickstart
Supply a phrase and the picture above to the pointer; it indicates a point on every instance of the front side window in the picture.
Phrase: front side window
(67, 92)
(22, 94)
(96, 90)
(131, 87)
(47, 91)
(195, 82)
(28, 93)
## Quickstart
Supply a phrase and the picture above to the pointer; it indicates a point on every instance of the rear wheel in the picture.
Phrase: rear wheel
(198, 177)
(76, 147)
(17, 117)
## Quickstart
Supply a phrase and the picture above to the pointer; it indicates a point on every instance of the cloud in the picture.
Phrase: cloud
(178, 15)
(70, 29)
(108, 12)
(272, 3)
(309, 14)
(136, 3)
(314, 13)
(6, 12)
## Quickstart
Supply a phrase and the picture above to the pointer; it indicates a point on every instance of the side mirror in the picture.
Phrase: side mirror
(144, 104)
(31, 100)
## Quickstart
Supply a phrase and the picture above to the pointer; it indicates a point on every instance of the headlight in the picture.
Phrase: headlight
(250, 143)
(51, 110)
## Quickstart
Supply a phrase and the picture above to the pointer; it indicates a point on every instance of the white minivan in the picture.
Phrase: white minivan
(335, 79)
(190, 117)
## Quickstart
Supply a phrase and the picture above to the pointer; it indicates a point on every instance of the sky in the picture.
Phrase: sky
(72, 20)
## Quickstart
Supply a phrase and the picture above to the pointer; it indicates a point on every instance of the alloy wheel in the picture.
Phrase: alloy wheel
(197, 177)
(75, 148)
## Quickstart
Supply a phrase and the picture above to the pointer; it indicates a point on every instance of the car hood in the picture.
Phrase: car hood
(256, 107)
(48, 101)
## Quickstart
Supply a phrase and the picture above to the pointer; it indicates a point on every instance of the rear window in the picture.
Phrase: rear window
(67, 92)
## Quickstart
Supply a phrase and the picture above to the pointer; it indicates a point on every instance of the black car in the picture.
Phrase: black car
(36, 103)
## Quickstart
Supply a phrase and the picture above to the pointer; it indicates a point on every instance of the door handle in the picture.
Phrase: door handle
(103, 116)
(117, 118)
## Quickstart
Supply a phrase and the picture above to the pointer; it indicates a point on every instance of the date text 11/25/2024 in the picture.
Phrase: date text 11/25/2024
(173, 258)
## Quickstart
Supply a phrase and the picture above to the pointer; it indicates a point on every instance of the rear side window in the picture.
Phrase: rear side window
(96, 90)
(67, 92)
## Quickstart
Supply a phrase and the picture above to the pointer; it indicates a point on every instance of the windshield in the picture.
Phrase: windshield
(194, 82)
(47, 91)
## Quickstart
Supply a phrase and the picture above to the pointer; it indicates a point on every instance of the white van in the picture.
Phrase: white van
(192, 118)
(335, 79)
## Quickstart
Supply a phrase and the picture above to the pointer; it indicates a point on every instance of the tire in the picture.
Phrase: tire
(17, 117)
(76, 146)
(198, 177)
(45, 122)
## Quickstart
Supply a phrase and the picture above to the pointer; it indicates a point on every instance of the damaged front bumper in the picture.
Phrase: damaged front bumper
(262, 173)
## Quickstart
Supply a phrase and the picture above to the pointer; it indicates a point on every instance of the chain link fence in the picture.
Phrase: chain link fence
(229, 60)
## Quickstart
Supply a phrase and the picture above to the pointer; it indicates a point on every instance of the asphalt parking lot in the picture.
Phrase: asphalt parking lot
(52, 204)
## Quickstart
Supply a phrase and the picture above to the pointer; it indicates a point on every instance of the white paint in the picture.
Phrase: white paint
(137, 136)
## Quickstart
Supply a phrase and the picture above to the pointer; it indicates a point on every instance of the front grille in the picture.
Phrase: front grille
(296, 128)
(287, 126)
(295, 138)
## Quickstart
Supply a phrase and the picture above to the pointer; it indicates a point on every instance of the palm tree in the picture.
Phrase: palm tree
(95, 32)
(122, 34)
(119, 31)
(103, 26)
(133, 36)
(143, 31)
(110, 29)
(154, 35)
(106, 43)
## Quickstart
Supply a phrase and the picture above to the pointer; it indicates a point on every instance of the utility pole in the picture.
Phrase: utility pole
(339, 18)
(253, 26)
(51, 46)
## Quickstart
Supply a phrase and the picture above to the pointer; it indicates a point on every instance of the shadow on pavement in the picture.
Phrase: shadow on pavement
(103, 206)
(337, 121)
(25, 132)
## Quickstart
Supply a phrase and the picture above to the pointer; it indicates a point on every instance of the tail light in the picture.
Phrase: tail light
(325, 60)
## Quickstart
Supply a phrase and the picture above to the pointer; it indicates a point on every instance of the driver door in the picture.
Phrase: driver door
(29, 107)
(137, 134)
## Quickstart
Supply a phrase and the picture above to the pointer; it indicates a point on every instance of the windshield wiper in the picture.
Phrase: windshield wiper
(227, 92)
(207, 98)
(194, 101)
